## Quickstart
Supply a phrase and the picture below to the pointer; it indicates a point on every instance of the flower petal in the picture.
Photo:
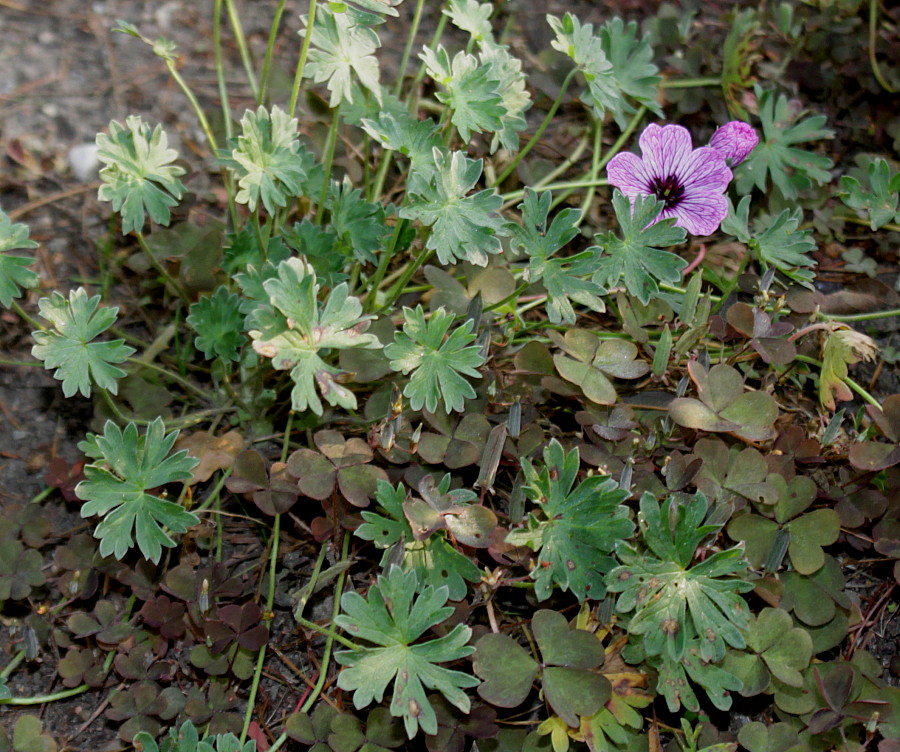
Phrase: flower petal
(627, 172)
(700, 213)
(666, 149)
(706, 170)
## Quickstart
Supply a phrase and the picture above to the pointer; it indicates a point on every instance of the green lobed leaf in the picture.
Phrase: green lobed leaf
(117, 485)
(392, 618)
(68, 347)
(14, 276)
(880, 200)
(139, 177)
(219, 324)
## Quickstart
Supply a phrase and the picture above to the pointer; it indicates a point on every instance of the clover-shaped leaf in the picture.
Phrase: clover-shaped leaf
(438, 361)
(379, 734)
(593, 361)
(81, 666)
(295, 327)
(14, 274)
(818, 603)
(67, 347)
(674, 602)
(464, 227)
(435, 561)
(777, 651)
(139, 177)
(635, 259)
(454, 445)
(29, 736)
(340, 461)
(392, 618)
(343, 43)
(219, 324)
(455, 727)
(771, 737)
(577, 528)
(273, 489)
(568, 660)
(733, 477)
(776, 157)
(237, 625)
(724, 406)
(20, 570)
(767, 338)
(117, 488)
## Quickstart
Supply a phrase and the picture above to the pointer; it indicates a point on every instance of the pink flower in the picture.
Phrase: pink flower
(691, 182)
(735, 140)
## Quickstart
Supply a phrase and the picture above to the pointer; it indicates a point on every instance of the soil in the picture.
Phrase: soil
(63, 77)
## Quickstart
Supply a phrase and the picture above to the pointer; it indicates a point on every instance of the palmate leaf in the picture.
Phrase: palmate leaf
(470, 92)
(294, 328)
(615, 65)
(187, 739)
(219, 324)
(880, 200)
(514, 96)
(472, 17)
(266, 159)
(139, 177)
(435, 561)
(67, 347)
(13, 272)
(117, 485)
(776, 158)
(578, 526)
(463, 227)
(343, 43)
(358, 224)
(392, 618)
(437, 364)
(672, 602)
(636, 260)
(563, 278)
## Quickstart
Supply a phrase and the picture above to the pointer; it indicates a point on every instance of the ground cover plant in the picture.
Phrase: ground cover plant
(434, 441)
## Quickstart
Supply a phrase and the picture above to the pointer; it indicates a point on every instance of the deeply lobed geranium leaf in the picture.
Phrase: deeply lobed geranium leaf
(294, 328)
(187, 739)
(139, 177)
(266, 159)
(392, 618)
(117, 488)
(219, 324)
(636, 260)
(577, 528)
(463, 227)
(438, 361)
(14, 274)
(80, 363)
(879, 201)
(776, 157)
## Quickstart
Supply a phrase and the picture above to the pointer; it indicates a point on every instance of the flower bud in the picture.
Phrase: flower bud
(734, 140)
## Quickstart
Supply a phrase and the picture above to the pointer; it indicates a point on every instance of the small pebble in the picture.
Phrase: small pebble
(83, 161)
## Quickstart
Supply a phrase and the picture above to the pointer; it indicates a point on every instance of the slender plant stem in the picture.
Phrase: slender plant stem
(509, 298)
(332, 636)
(386, 256)
(304, 53)
(566, 185)
(213, 495)
(270, 48)
(873, 35)
(21, 363)
(595, 169)
(410, 40)
(226, 107)
(235, 21)
(510, 198)
(314, 577)
(27, 317)
(858, 221)
(195, 105)
(847, 380)
(690, 83)
(411, 268)
(851, 317)
(540, 131)
(11, 666)
(270, 601)
(330, 144)
(156, 264)
(169, 375)
(420, 74)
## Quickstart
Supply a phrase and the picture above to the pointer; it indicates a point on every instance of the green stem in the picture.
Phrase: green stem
(156, 264)
(873, 33)
(858, 221)
(540, 131)
(383, 263)
(330, 144)
(411, 268)
(27, 317)
(386, 156)
(307, 594)
(11, 666)
(260, 659)
(509, 298)
(214, 494)
(420, 74)
(690, 83)
(595, 169)
(301, 62)
(329, 633)
(565, 185)
(286, 444)
(410, 40)
(331, 638)
(21, 363)
(847, 380)
(850, 317)
(169, 375)
(270, 48)
(41, 495)
(682, 291)
(198, 110)
(235, 21)
(226, 107)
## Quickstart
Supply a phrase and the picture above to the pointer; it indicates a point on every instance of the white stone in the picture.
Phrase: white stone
(83, 161)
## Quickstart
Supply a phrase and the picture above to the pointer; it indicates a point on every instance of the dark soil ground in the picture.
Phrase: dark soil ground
(63, 77)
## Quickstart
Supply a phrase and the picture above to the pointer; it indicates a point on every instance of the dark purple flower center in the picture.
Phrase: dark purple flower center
(668, 190)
